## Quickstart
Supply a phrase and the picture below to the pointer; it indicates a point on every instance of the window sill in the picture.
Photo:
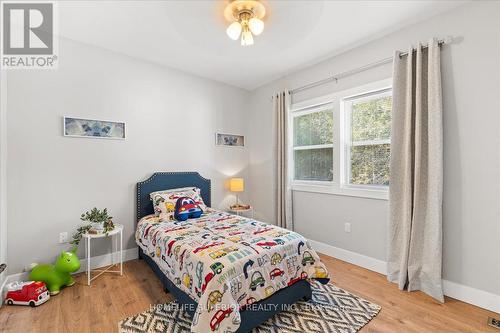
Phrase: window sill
(350, 192)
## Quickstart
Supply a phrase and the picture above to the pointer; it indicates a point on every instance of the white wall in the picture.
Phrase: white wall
(171, 121)
(471, 90)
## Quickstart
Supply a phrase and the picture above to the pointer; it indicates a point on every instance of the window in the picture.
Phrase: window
(368, 138)
(340, 143)
(313, 144)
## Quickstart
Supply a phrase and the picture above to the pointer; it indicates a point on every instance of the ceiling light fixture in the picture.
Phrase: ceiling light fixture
(246, 17)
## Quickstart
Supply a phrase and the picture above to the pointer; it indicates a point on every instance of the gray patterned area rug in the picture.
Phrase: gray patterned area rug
(331, 310)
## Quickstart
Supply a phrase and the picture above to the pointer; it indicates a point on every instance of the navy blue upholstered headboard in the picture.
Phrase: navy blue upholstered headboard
(168, 180)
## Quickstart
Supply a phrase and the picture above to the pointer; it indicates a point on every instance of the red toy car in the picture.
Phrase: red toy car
(276, 272)
(303, 276)
(261, 231)
(293, 280)
(218, 317)
(208, 278)
(27, 293)
(267, 245)
(201, 248)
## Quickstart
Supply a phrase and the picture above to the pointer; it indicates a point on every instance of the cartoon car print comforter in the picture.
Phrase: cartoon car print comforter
(225, 262)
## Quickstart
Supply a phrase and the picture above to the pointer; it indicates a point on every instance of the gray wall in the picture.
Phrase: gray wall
(52, 179)
(3, 172)
(171, 121)
(471, 84)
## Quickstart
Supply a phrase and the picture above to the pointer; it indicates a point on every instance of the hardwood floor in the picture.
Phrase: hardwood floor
(111, 298)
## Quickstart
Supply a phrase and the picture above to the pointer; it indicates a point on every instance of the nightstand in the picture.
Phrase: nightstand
(242, 212)
(117, 232)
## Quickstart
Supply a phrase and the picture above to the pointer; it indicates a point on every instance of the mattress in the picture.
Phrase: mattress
(225, 262)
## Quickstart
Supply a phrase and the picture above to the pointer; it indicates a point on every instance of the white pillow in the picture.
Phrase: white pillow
(181, 189)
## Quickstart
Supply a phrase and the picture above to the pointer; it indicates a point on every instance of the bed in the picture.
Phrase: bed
(262, 299)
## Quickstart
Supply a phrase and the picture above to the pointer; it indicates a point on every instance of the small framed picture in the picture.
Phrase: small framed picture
(92, 128)
(230, 140)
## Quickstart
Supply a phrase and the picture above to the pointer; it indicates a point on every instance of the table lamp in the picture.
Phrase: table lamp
(236, 185)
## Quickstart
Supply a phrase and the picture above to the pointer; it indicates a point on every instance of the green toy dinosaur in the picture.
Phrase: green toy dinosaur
(57, 275)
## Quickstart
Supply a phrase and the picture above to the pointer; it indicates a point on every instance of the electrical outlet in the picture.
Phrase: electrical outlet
(63, 237)
(347, 227)
(493, 322)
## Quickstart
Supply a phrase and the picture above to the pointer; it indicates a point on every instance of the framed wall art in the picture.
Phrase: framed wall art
(92, 128)
(230, 140)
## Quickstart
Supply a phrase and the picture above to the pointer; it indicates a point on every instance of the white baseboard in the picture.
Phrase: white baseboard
(95, 262)
(357, 259)
(105, 259)
(477, 297)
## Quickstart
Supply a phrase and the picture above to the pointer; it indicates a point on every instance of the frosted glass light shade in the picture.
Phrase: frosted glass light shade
(246, 38)
(256, 26)
(234, 30)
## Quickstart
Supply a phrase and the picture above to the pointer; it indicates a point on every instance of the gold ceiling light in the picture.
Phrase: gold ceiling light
(246, 17)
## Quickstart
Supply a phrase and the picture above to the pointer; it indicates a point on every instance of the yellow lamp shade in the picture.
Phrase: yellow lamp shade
(236, 185)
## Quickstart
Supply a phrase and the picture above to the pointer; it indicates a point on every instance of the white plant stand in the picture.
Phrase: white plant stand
(117, 232)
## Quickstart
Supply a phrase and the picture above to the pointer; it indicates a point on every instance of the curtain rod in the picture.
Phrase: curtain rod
(336, 77)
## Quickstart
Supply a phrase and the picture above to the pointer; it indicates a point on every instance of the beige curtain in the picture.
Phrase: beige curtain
(415, 239)
(284, 192)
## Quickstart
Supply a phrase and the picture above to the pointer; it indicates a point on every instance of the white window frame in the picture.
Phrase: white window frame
(338, 185)
(297, 112)
(345, 107)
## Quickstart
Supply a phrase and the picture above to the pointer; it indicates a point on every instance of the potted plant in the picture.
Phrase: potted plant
(97, 221)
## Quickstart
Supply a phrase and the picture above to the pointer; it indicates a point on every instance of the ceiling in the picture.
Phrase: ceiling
(190, 35)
